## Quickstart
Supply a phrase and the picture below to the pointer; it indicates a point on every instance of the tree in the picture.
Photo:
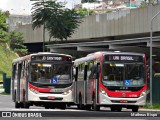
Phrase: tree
(84, 12)
(16, 43)
(59, 22)
(3, 24)
(61, 26)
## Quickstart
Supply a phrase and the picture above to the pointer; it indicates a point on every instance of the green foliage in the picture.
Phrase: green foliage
(155, 106)
(144, 4)
(84, 12)
(3, 24)
(59, 22)
(3, 36)
(16, 43)
(4, 93)
(6, 56)
(64, 24)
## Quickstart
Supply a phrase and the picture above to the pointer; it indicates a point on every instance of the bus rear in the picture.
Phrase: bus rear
(123, 81)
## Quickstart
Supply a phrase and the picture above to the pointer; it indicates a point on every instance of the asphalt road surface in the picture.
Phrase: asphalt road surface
(6, 105)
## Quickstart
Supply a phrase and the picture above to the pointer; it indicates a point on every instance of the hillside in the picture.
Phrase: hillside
(6, 56)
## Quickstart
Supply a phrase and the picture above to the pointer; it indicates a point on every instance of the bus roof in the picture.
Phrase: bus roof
(39, 53)
(95, 55)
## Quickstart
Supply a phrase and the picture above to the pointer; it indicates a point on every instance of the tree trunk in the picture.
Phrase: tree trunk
(44, 37)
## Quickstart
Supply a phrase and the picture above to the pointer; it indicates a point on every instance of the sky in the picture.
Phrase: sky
(24, 6)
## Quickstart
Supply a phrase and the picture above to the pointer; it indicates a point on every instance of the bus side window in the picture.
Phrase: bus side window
(93, 72)
(89, 70)
(14, 71)
(22, 69)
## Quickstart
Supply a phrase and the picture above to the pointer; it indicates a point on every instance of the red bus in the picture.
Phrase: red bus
(111, 79)
(42, 79)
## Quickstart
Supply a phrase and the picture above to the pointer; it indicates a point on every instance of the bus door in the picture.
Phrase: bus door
(94, 81)
(75, 91)
(18, 76)
(85, 85)
(97, 81)
(13, 81)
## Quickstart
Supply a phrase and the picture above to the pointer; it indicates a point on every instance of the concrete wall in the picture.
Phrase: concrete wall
(128, 22)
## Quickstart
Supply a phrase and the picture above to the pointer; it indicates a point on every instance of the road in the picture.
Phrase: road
(71, 113)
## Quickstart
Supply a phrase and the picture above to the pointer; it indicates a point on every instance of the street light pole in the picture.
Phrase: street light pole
(88, 8)
(151, 29)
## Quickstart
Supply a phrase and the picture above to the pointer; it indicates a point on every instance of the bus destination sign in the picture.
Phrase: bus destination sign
(133, 58)
(51, 58)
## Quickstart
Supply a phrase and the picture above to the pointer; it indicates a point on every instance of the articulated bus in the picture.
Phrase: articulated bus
(42, 79)
(110, 79)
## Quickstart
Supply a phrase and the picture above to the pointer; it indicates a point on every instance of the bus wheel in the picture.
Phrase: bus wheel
(26, 105)
(17, 105)
(119, 109)
(94, 106)
(47, 106)
(113, 108)
(88, 107)
(135, 109)
(63, 106)
(80, 106)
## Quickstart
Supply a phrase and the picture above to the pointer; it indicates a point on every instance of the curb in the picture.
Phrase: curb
(149, 110)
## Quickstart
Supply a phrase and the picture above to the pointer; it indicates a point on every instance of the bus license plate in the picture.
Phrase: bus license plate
(123, 101)
(51, 97)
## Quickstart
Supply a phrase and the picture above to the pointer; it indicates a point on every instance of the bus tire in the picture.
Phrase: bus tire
(94, 106)
(135, 109)
(47, 107)
(119, 109)
(88, 107)
(26, 105)
(17, 105)
(63, 106)
(80, 106)
(116, 108)
(113, 108)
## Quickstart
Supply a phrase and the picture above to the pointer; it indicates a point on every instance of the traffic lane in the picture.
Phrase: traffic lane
(7, 104)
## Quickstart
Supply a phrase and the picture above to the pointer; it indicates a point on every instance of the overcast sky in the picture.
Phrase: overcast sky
(24, 6)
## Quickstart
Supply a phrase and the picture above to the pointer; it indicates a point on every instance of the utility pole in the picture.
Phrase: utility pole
(151, 29)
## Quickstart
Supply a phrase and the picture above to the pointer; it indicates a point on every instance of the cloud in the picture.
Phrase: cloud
(24, 6)
(16, 6)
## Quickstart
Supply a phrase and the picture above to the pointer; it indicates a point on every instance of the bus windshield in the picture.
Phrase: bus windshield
(51, 73)
(123, 74)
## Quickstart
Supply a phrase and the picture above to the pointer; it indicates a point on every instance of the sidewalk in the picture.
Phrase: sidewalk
(149, 110)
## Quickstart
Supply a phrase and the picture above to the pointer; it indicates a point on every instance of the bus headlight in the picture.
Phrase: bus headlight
(66, 92)
(102, 91)
(143, 93)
